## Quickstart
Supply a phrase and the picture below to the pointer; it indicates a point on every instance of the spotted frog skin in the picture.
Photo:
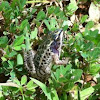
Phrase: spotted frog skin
(39, 64)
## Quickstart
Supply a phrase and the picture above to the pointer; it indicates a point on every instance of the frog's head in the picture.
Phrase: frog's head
(57, 37)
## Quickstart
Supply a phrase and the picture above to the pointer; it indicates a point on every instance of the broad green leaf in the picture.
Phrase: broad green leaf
(11, 64)
(34, 34)
(94, 33)
(53, 24)
(13, 74)
(86, 93)
(3, 59)
(66, 69)
(89, 25)
(51, 9)
(76, 74)
(47, 24)
(16, 81)
(27, 40)
(65, 25)
(54, 94)
(41, 15)
(14, 3)
(88, 46)
(72, 7)
(33, 11)
(23, 24)
(12, 54)
(31, 86)
(84, 54)
(64, 95)
(83, 19)
(23, 80)
(4, 6)
(19, 59)
(75, 27)
(94, 68)
(57, 10)
(94, 54)
(61, 73)
(45, 89)
(68, 86)
(22, 3)
(18, 48)
(57, 74)
(3, 41)
(18, 41)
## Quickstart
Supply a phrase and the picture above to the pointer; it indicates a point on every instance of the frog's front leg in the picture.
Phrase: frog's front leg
(58, 61)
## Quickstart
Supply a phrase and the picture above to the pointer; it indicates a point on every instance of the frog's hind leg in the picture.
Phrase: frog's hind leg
(29, 61)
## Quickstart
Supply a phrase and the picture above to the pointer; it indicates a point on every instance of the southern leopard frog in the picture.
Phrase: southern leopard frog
(39, 64)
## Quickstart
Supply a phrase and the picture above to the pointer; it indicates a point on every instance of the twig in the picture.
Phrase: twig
(9, 84)
(2, 51)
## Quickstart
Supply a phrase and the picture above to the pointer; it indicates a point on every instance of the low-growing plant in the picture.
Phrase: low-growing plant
(25, 24)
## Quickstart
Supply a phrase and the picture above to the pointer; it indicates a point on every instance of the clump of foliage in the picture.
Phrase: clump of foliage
(23, 25)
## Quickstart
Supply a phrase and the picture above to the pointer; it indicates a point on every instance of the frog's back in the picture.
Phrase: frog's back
(43, 59)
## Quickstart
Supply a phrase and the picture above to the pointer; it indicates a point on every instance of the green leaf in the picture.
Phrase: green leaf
(41, 15)
(47, 24)
(33, 34)
(84, 54)
(33, 11)
(12, 54)
(3, 41)
(12, 74)
(23, 24)
(89, 25)
(57, 74)
(57, 10)
(3, 59)
(94, 54)
(94, 33)
(16, 81)
(54, 94)
(22, 3)
(83, 19)
(94, 68)
(72, 7)
(51, 9)
(86, 93)
(61, 72)
(23, 80)
(45, 89)
(88, 46)
(76, 74)
(19, 59)
(4, 6)
(18, 41)
(18, 48)
(53, 24)
(30, 86)
(75, 27)
(11, 64)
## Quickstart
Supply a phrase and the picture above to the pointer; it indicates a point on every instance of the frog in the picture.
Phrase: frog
(39, 63)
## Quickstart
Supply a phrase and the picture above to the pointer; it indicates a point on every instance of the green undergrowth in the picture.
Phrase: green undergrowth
(24, 26)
